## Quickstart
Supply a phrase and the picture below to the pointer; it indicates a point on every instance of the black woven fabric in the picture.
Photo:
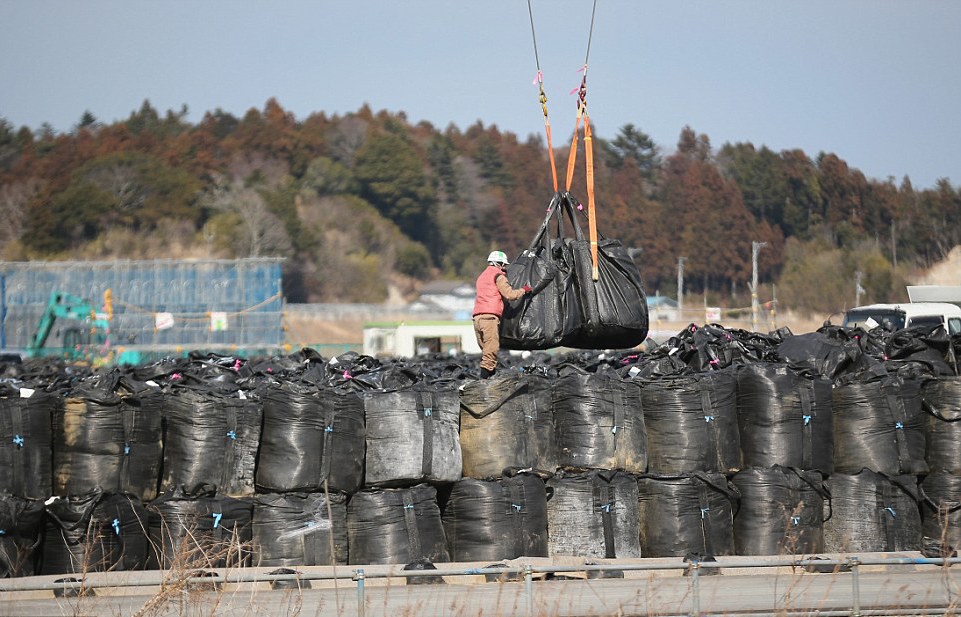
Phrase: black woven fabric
(507, 423)
(311, 435)
(871, 512)
(201, 530)
(691, 423)
(879, 425)
(941, 399)
(21, 521)
(300, 529)
(491, 520)
(395, 526)
(781, 513)
(95, 532)
(784, 418)
(25, 439)
(599, 422)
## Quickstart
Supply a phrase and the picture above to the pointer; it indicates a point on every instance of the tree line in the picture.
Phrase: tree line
(367, 203)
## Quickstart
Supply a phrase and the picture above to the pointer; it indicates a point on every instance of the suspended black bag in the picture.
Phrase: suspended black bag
(95, 532)
(781, 513)
(412, 435)
(211, 440)
(200, 530)
(26, 440)
(784, 418)
(550, 314)
(687, 514)
(593, 514)
(879, 425)
(387, 526)
(108, 434)
(491, 520)
(300, 529)
(599, 422)
(871, 512)
(21, 523)
(941, 399)
(312, 435)
(691, 423)
(568, 307)
(507, 423)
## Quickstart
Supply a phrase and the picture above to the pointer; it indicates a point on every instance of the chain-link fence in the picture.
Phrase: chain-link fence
(194, 304)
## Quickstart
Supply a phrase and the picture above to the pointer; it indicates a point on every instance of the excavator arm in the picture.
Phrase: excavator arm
(62, 306)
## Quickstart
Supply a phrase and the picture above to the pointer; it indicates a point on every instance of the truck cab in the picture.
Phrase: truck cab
(899, 316)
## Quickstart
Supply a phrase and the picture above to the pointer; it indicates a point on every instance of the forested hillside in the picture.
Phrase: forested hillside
(367, 204)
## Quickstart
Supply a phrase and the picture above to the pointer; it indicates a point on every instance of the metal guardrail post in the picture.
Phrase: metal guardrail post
(359, 577)
(856, 588)
(696, 589)
(529, 585)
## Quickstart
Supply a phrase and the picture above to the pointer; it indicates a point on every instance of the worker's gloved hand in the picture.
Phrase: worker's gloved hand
(527, 289)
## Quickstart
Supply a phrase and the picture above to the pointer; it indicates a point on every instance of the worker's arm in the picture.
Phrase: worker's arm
(507, 291)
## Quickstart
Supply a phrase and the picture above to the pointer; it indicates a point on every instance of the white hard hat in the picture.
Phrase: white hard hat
(498, 257)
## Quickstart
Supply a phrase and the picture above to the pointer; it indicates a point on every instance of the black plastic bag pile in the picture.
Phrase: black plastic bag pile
(718, 442)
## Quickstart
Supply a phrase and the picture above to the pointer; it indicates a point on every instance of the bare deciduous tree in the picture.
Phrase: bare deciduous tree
(13, 200)
(346, 139)
(262, 233)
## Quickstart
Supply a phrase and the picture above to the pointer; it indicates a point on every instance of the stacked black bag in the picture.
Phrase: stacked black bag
(568, 307)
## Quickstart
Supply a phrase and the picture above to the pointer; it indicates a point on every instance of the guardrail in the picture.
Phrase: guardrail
(850, 566)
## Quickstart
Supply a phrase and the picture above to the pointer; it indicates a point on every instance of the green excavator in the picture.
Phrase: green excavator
(70, 328)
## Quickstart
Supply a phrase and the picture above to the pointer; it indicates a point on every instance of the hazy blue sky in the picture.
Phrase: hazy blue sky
(877, 82)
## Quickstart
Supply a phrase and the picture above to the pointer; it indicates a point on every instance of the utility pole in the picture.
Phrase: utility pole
(755, 249)
(858, 290)
(680, 287)
(3, 311)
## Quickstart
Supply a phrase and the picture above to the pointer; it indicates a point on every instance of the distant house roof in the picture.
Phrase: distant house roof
(443, 288)
(661, 302)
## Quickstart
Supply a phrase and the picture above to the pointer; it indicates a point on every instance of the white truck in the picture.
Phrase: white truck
(930, 305)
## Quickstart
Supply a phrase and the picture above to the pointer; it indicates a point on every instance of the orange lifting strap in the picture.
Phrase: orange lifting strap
(582, 115)
(591, 218)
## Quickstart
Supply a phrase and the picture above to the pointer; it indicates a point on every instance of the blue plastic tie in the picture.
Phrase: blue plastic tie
(116, 526)
(126, 449)
(17, 439)
(428, 411)
(614, 429)
(217, 516)
(517, 506)
(328, 429)
(606, 507)
(704, 511)
(3, 532)
(232, 434)
(708, 418)
(807, 420)
(408, 506)
(899, 426)
(796, 520)
(891, 512)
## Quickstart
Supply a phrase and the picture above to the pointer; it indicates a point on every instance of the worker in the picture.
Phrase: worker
(492, 289)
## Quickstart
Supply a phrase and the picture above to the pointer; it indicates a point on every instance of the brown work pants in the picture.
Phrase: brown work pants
(487, 327)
